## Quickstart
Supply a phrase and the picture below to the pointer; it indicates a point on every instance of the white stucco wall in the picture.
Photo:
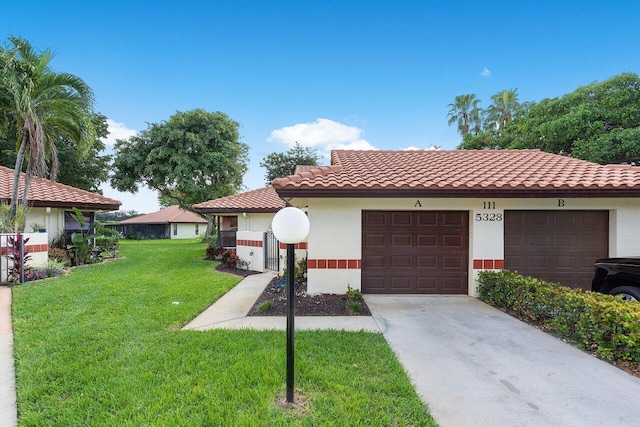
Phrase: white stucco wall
(254, 221)
(336, 227)
(53, 220)
(250, 248)
(186, 230)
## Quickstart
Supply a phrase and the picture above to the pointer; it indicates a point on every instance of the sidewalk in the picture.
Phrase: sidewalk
(8, 409)
(230, 312)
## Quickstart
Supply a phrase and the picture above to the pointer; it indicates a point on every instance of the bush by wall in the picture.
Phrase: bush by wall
(596, 322)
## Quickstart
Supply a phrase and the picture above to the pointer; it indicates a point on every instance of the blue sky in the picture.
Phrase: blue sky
(329, 74)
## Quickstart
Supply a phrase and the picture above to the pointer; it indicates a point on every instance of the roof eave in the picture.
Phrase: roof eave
(236, 210)
(460, 192)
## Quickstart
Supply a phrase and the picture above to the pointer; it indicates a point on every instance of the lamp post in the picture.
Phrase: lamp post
(290, 226)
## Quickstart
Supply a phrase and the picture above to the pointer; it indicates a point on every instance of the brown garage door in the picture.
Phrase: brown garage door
(558, 246)
(415, 252)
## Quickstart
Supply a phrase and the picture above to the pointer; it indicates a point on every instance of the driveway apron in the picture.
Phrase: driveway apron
(477, 366)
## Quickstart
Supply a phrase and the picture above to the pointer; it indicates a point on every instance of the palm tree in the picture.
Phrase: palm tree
(40, 107)
(504, 107)
(463, 112)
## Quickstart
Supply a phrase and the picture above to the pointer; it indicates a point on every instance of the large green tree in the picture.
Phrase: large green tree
(465, 113)
(40, 107)
(192, 157)
(599, 122)
(86, 169)
(279, 165)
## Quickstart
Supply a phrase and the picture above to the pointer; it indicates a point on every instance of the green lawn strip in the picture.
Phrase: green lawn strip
(102, 346)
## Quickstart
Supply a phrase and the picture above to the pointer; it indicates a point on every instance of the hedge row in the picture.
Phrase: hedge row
(593, 321)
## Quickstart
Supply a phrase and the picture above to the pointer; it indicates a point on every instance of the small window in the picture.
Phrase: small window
(197, 229)
(175, 229)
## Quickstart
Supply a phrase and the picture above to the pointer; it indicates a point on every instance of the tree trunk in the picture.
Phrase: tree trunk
(16, 176)
(207, 234)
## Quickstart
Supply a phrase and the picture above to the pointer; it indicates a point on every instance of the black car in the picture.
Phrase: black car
(618, 276)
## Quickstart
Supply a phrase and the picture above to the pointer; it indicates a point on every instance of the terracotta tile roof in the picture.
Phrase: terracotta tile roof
(303, 168)
(509, 173)
(261, 200)
(43, 193)
(172, 214)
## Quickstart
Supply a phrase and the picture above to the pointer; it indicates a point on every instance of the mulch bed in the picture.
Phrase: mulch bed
(306, 304)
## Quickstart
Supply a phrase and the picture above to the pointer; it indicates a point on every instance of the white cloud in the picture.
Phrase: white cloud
(117, 131)
(323, 134)
(414, 148)
(485, 72)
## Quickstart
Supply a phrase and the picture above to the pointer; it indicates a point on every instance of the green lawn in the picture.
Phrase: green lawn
(102, 346)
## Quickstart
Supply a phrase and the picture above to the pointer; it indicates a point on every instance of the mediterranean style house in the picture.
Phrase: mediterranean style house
(429, 221)
(50, 208)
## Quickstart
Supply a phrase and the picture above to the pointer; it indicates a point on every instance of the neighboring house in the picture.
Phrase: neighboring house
(51, 203)
(50, 207)
(168, 223)
(244, 225)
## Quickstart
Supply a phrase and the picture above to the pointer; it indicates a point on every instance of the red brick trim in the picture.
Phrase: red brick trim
(301, 245)
(32, 249)
(488, 264)
(334, 264)
(251, 243)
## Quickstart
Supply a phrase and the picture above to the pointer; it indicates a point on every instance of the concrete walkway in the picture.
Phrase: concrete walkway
(230, 312)
(477, 366)
(8, 410)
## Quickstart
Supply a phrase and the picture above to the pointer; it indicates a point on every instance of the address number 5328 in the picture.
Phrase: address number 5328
(489, 217)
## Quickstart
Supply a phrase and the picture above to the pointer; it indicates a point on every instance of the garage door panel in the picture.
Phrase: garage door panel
(401, 240)
(426, 219)
(400, 219)
(401, 283)
(537, 240)
(451, 285)
(376, 240)
(565, 262)
(426, 262)
(426, 284)
(453, 262)
(569, 241)
(424, 240)
(375, 219)
(454, 242)
(375, 261)
(422, 250)
(376, 284)
(559, 246)
(398, 262)
(540, 261)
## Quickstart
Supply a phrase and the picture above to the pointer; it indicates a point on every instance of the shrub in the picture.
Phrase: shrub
(214, 252)
(59, 255)
(265, 306)
(300, 273)
(354, 307)
(109, 244)
(352, 294)
(52, 268)
(601, 323)
(229, 259)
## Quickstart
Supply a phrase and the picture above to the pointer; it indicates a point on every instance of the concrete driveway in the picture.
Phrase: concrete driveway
(476, 366)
